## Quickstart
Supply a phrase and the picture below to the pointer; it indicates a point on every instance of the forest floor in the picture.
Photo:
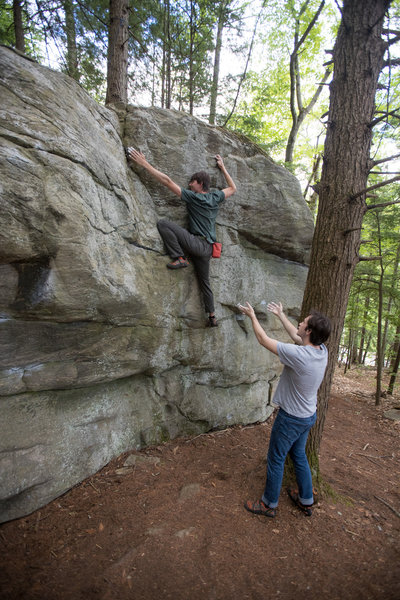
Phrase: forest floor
(169, 522)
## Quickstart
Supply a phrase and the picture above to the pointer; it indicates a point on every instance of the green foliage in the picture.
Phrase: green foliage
(264, 112)
(380, 246)
(33, 34)
(7, 35)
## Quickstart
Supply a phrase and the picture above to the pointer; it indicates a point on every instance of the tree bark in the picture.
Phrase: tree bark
(380, 348)
(70, 32)
(18, 26)
(217, 58)
(357, 56)
(192, 33)
(117, 57)
(394, 367)
(166, 61)
(366, 350)
(363, 331)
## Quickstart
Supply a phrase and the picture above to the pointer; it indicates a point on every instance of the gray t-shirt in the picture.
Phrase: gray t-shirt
(303, 372)
(202, 210)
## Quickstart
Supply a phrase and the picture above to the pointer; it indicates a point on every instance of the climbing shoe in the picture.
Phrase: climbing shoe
(259, 508)
(179, 263)
(294, 496)
(212, 321)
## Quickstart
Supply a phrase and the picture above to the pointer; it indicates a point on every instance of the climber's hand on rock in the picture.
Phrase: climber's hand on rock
(220, 162)
(137, 156)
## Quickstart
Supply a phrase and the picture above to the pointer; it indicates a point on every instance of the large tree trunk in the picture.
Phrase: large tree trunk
(358, 55)
(117, 58)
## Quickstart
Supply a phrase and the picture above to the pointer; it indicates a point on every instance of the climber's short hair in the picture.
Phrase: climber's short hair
(203, 178)
(320, 327)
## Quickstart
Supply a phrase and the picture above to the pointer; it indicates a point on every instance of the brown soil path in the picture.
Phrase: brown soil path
(173, 526)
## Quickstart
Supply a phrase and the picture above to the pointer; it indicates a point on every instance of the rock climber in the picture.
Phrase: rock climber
(197, 242)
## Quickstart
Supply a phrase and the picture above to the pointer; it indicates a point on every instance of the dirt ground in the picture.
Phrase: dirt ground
(169, 522)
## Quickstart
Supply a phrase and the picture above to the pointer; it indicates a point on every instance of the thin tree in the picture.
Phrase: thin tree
(117, 55)
(70, 32)
(192, 44)
(298, 110)
(222, 13)
(394, 367)
(380, 343)
(363, 331)
(18, 26)
(166, 57)
(244, 74)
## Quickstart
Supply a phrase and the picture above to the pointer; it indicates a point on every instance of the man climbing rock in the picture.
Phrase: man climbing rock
(296, 396)
(196, 242)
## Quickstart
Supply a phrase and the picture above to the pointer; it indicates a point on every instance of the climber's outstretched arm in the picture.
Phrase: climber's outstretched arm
(231, 189)
(140, 159)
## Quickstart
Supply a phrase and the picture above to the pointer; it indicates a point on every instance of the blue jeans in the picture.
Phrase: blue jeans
(288, 436)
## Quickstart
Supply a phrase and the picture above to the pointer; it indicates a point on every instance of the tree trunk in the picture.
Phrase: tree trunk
(351, 350)
(217, 57)
(366, 350)
(70, 32)
(166, 61)
(348, 352)
(357, 56)
(379, 338)
(168, 78)
(18, 26)
(342, 356)
(363, 331)
(192, 34)
(394, 367)
(117, 58)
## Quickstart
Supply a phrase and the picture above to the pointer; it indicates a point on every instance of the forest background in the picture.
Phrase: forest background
(266, 70)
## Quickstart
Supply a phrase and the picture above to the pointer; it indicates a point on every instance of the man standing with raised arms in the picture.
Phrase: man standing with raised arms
(202, 206)
(296, 396)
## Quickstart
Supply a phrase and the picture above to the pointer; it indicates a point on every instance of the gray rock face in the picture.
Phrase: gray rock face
(102, 349)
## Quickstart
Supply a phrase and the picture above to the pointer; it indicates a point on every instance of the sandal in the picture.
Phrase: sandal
(294, 496)
(259, 508)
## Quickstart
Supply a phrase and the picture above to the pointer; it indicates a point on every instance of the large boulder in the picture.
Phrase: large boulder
(103, 349)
